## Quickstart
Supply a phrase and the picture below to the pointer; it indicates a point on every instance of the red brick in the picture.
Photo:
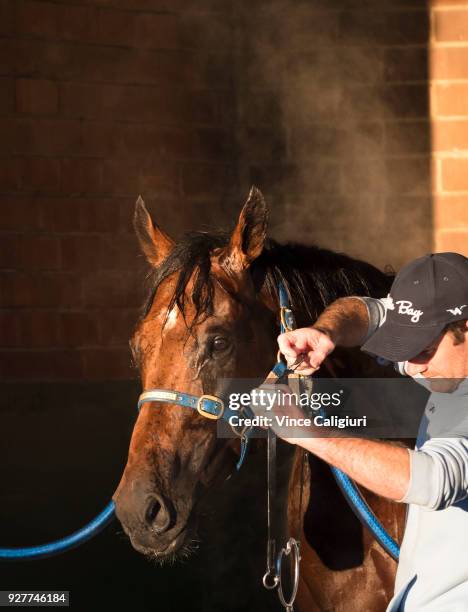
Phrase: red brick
(40, 175)
(15, 136)
(35, 97)
(107, 363)
(449, 63)
(81, 176)
(198, 32)
(275, 180)
(116, 326)
(82, 252)
(406, 138)
(141, 141)
(81, 99)
(141, 103)
(209, 108)
(58, 60)
(111, 289)
(405, 101)
(120, 178)
(206, 179)
(40, 136)
(78, 23)
(160, 180)
(99, 139)
(38, 328)
(150, 30)
(454, 174)
(451, 99)
(79, 214)
(9, 175)
(453, 240)
(406, 64)
(18, 57)
(451, 212)
(197, 70)
(9, 329)
(57, 137)
(450, 135)
(120, 253)
(214, 144)
(99, 215)
(18, 213)
(78, 328)
(157, 31)
(9, 251)
(41, 365)
(7, 95)
(7, 16)
(59, 214)
(38, 252)
(360, 176)
(451, 26)
(115, 64)
(411, 176)
(38, 18)
(40, 289)
(385, 27)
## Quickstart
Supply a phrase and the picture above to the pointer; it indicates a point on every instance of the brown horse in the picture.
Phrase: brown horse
(212, 314)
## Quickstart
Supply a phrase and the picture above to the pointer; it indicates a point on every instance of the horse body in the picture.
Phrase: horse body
(212, 315)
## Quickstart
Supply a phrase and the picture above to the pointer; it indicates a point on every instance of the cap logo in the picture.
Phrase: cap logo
(405, 307)
(458, 310)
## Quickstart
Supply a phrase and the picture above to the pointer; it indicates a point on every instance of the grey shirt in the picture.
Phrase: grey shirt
(432, 573)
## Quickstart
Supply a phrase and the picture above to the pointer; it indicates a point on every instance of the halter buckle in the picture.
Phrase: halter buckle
(287, 318)
(205, 413)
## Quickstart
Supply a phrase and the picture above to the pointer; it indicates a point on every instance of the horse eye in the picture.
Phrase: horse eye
(220, 343)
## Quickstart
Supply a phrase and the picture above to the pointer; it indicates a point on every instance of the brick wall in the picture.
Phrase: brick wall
(335, 117)
(101, 101)
(325, 105)
(449, 112)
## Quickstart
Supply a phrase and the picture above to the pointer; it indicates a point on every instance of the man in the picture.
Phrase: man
(423, 325)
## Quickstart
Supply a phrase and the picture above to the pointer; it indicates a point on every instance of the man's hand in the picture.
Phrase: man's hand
(307, 347)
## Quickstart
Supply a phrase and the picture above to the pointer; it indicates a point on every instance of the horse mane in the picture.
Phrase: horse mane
(312, 276)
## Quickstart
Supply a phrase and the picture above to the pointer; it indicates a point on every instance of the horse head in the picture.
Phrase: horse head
(203, 323)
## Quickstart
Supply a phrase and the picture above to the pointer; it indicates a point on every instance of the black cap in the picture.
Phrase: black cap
(426, 295)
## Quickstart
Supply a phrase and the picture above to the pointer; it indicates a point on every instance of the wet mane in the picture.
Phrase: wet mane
(313, 277)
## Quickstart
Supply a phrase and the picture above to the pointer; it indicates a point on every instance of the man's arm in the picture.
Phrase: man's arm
(347, 322)
(381, 467)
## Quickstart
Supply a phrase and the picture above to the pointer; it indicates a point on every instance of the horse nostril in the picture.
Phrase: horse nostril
(158, 514)
(152, 510)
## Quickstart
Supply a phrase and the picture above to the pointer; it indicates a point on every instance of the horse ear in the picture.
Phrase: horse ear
(248, 238)
(155, 244)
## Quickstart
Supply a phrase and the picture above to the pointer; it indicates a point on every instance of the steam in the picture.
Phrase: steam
(325, 122)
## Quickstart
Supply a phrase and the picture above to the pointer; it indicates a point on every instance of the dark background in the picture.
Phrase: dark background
(62, 453)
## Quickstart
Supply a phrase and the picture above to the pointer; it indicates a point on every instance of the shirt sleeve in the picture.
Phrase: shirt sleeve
(376, 311)
(439, 473)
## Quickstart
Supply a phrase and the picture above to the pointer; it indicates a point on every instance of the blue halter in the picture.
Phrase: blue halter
(212, 407)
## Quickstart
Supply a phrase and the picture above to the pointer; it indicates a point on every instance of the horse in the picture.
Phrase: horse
(212, 314)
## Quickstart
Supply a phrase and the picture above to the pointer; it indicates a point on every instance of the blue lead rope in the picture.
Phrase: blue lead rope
(59, 546)
(351, 493)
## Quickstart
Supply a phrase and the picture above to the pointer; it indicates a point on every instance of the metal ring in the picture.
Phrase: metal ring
(274, 584)
(292, 547)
